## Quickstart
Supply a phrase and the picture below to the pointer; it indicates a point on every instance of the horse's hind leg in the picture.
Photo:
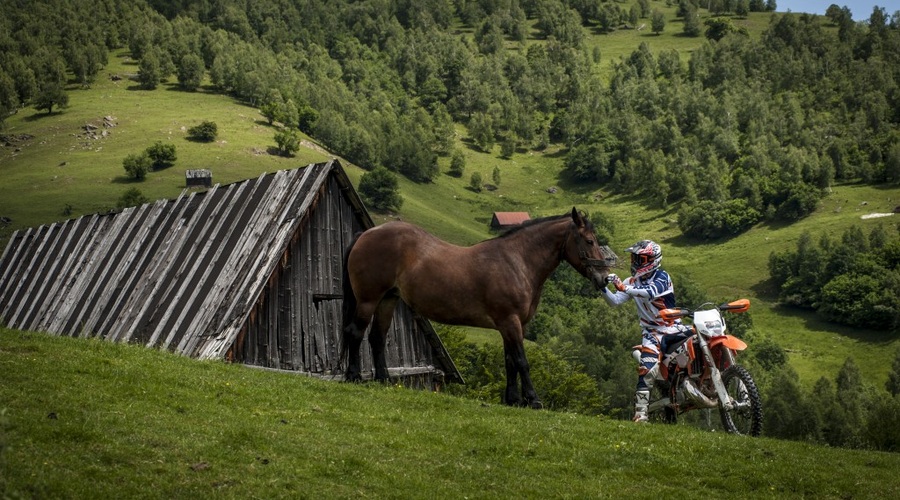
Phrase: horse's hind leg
(353, 335)
(381, 323)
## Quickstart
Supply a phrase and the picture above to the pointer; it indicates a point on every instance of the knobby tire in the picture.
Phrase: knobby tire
(741, 387)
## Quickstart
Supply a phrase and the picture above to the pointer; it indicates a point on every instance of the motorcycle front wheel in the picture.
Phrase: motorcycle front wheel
(746, 415)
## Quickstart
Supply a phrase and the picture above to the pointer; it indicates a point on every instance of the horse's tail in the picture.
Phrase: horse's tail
(348, 305)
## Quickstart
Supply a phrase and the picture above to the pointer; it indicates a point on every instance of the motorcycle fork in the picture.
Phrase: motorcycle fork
(715, 374)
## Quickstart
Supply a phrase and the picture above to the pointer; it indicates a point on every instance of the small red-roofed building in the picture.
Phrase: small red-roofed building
(506, 220)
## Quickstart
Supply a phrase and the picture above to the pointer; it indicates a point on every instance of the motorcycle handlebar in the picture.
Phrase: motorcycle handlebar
(735, 306)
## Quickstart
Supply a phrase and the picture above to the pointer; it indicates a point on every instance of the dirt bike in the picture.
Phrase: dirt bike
(700, 371)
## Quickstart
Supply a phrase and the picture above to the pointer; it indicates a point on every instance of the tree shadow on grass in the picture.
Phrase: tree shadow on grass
(40, 115)
(470, 144)
(127, 180)
(767, 289)
(199, 140)
(571, 184)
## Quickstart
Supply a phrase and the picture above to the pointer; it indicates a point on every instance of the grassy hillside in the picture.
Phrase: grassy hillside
(89, 419)
(54, 170)
(62, 166)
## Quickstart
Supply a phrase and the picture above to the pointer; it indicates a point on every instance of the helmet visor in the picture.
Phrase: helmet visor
(638, 260)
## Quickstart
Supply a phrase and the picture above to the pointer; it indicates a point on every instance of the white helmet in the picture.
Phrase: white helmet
(645, 257)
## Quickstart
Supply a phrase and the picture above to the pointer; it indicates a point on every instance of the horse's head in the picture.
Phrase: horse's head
(585, 253)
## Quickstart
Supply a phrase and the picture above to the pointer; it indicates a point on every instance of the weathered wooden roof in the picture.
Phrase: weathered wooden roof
(197, 173)
(180, 274)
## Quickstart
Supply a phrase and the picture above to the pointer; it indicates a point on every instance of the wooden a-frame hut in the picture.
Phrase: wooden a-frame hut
(249, 272)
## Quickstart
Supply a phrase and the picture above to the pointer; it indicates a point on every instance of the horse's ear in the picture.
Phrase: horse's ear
(577, 217)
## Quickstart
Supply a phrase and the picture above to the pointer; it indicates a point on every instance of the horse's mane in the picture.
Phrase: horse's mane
(532, 222)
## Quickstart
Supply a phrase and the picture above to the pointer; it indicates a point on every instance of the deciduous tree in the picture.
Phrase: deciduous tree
(162, 155)
(287, 140)
(380, 189)
(657, 21)
(137, 165)
(190, 72)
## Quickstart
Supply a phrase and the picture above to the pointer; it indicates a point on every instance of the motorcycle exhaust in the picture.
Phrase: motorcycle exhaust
(697, 397)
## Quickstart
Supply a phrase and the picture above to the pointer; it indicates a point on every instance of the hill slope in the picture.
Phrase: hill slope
(86, 418)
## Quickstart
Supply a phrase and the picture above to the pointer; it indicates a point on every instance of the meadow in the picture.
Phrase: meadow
(90, 419)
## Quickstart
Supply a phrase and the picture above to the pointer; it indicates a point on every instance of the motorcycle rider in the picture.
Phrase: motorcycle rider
(652, 291)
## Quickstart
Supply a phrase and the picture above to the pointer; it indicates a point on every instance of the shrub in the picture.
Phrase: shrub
(137, 165)
(288, 141)
(205, 132)
(711, 220)
(457, 163)
(132, 198)
(859, 300)
(380, 189)
(801, 201)
(476, 182)
(162, 155)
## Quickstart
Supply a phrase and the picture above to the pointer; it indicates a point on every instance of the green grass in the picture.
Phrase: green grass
(62, 167)
(90, 419)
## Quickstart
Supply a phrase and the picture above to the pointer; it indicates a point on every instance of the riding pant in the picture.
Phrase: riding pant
(653, 345)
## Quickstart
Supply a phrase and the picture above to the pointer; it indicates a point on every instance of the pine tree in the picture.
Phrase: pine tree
(380, 189)
(893, 383)
(788, 414)
(457, 163)
(853, 402)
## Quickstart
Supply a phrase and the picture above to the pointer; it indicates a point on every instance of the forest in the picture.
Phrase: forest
(743, 130)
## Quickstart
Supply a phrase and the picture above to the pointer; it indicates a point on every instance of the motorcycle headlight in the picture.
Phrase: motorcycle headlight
(714, 328)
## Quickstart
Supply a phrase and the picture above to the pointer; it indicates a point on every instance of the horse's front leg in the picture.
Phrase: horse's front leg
(517, 366)
(528, 393)
(511, 396)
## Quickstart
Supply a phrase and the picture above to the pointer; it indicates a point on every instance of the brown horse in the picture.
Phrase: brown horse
(494, 284)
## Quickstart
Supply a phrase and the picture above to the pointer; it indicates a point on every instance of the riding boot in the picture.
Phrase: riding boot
(641, 401)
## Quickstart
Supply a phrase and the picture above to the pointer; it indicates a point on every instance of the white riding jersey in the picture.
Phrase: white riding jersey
(651, 293)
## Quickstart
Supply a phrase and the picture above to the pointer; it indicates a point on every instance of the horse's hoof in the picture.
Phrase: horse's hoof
(537, 405)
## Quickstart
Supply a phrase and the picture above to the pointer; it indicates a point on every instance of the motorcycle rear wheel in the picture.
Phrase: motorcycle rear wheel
(747, 417)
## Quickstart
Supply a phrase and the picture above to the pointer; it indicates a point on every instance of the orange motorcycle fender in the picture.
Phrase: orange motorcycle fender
(733, 343)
